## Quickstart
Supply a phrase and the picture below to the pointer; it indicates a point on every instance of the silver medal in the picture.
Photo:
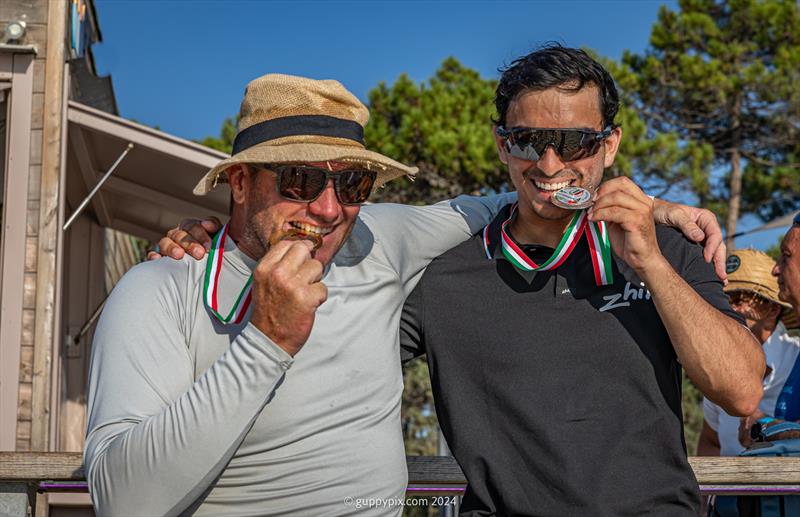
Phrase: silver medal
(572, 198)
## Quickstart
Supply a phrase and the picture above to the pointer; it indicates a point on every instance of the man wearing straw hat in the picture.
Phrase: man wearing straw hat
(196, 403)
(265, 379)
(753, 293)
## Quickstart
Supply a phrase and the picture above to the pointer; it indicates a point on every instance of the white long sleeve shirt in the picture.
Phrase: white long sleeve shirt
(189, 416)
(781, 350)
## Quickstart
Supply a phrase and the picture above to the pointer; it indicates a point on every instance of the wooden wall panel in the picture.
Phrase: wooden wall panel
(26, 364)
(29, 291)
(36, 147)
(46, 356)
(32, 223)
(28, 320)
(23, 436)
(25, 397)
(31, 245)
(36, 34)
(34, 181)
(37, 117)
(34, 11)
(38, 76)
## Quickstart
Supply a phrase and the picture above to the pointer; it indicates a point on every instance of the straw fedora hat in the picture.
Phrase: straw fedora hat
(289, 119)
(751, 270)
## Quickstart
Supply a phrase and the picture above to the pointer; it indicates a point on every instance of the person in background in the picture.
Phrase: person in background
(780, 416)
(753, 293)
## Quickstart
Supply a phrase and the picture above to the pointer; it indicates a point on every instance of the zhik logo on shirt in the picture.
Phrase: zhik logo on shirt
(624, 299)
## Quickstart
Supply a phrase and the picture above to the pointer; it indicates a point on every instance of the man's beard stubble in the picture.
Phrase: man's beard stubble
(254, 237)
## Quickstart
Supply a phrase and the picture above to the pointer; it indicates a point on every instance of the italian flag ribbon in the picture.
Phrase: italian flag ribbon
(211, 283)
(596, 233)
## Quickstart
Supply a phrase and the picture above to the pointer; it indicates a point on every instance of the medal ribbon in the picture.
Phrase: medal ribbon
(211, 283)
(599, 246)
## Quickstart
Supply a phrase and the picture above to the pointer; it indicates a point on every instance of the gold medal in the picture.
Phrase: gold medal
(295, 235)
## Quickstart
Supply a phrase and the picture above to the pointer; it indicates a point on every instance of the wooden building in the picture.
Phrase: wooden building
(59, 134)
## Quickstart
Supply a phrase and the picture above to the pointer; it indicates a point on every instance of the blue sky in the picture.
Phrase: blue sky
(183, 65)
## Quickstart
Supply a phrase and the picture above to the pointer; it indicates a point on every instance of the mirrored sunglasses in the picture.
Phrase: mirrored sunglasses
(530, 143)
(306, 183)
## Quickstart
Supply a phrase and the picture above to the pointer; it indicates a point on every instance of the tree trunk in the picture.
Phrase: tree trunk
(735, 199)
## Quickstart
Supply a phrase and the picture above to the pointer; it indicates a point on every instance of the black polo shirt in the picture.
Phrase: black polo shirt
(556, 396)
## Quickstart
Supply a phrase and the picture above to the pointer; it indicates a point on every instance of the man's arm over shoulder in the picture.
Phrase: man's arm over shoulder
(409, 237)
(157, 438)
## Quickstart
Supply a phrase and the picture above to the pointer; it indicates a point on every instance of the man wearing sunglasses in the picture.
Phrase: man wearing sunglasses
(556, 336)
(200, 401)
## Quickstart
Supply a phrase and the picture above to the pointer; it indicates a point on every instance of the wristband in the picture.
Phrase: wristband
(761, 430)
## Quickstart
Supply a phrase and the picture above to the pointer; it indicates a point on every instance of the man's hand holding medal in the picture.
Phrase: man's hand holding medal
(287, 290)
(690, 220)
(628, 213)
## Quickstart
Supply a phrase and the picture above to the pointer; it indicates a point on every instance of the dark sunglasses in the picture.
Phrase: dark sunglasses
(306, 183)
(530, 143)
(796, 220)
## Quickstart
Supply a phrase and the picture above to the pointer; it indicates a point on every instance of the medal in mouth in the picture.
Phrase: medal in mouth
(295, 234)
(572, 198)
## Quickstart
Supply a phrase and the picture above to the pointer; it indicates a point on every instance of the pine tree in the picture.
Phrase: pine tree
(444, 127)
(726, 74)
(227, 134)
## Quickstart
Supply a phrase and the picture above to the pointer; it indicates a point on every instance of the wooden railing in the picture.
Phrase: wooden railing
(24, 475)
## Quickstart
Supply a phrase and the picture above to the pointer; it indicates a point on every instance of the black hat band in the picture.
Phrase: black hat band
(318, 125)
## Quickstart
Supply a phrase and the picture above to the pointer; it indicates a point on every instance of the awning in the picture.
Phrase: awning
(151, 189)
(780, 222)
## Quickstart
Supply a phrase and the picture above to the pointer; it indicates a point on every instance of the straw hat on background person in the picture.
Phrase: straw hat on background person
(750, 270)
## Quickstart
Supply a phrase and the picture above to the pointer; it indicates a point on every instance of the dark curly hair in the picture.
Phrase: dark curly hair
(555, 66)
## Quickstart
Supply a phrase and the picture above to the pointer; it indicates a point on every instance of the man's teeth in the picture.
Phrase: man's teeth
(551, 186)
(316, 230)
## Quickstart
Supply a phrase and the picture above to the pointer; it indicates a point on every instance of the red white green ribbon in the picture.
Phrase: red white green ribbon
(211, 283)
(597, 235)
(599, 246)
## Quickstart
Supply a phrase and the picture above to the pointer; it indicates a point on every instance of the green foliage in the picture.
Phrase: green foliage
(418, 416)
(692, 414)
(658, 161)
(443, 126)
(227, 134)
(419, 423)
(774, 251)
(724, 75)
